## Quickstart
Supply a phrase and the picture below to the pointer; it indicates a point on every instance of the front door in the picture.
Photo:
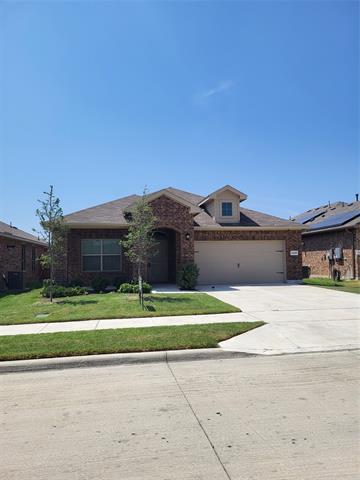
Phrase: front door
(159, 263)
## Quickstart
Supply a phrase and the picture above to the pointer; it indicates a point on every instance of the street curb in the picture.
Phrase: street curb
(87, 361)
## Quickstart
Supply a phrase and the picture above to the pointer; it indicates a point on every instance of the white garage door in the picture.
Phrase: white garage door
(245, 261)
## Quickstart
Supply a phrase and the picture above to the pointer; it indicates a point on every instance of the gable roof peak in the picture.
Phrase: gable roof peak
(242, 196)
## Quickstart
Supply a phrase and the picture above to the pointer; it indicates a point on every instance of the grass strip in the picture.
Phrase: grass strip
(350, 286)
(30, 307)
(147, 339)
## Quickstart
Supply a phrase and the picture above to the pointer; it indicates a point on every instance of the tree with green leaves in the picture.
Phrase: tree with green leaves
(139, 243)
(53, 231)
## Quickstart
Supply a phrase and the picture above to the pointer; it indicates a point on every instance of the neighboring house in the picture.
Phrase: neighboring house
(331, 243)
(229, 243)
(19, 258)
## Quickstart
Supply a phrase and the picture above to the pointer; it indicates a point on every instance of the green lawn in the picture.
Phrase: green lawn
(24, 307)
(352, 286)
(45, 345)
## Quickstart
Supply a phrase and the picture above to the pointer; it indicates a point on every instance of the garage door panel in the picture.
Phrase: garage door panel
(242, 261)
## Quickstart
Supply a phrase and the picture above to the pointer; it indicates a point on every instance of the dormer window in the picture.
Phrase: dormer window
(226, 209)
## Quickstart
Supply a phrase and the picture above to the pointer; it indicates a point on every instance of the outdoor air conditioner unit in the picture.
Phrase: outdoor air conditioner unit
(338, 253)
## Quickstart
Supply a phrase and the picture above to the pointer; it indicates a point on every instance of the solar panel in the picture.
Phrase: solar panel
(336, 220)
(305, 217)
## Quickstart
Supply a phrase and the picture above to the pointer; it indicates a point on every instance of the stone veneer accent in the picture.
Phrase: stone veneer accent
(292, 242)
(317, 245)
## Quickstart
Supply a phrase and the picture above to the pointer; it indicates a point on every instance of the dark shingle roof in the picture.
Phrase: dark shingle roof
(112, 213)
(332, 214)
(109, 212)
(190, 197)
(248, 218)
(9, 231)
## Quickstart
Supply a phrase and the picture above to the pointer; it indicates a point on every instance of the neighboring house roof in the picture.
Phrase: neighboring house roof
(9, 231)
(112, 214)
(333, 216)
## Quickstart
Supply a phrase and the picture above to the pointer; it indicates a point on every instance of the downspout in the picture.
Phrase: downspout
(354, 272)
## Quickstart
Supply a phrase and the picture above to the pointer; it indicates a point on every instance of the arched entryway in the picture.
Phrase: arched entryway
(162, 264)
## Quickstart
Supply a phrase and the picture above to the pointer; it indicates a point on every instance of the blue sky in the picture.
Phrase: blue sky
(101, 98)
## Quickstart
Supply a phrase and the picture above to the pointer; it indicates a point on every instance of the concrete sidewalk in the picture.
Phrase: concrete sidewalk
(81, 325)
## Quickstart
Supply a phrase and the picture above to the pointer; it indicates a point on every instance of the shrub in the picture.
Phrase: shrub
(134, 288)
(146, 287)
(47, 282)
(126, 288)
(60, 291)
(99, 284)
(187, 276)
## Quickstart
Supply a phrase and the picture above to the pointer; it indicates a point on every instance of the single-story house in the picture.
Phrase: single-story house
(229, 243)
(331, 241)
(19, 258)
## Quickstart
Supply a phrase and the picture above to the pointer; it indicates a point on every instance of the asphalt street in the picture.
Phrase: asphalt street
(256, 418)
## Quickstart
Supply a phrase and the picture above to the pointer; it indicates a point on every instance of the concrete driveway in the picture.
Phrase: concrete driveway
(300, 318)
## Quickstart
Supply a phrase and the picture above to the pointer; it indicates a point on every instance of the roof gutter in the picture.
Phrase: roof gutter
(21, 239)
(221, 228)
(96, 225)
(331, 229)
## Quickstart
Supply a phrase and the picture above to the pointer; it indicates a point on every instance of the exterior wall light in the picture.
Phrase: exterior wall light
(187, 236)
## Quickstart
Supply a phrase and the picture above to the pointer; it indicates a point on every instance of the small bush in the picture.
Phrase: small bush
(60, 291)
(47, 282)
(146, 287)
(99, 284)
(187, 276)
(126, 288)
(134, 288)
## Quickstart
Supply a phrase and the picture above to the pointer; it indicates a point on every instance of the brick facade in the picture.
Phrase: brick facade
(11, 260)
(317, 245)
(175, 217)
(74, 268)
(170, 215)
(292, 240)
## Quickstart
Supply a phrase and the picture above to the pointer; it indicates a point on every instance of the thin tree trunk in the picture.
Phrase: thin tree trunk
(51, 271)
(141, 294)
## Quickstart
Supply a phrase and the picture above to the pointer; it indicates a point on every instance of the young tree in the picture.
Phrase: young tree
(51, 220)
(139, 242)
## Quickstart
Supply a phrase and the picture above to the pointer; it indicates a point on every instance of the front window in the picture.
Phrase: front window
(226, 209)
(101, 255)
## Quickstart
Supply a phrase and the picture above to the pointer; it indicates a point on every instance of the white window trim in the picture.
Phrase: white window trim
(232, 209)
(101, 255)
